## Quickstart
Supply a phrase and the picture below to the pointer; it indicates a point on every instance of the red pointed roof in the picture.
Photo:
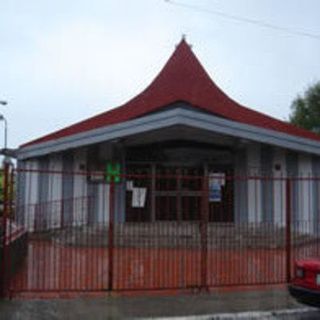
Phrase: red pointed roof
(182, 79)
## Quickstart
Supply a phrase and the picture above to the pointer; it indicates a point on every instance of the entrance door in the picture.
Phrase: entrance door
(172, 193)
(221, 200)
(178, 193)
(175, 193)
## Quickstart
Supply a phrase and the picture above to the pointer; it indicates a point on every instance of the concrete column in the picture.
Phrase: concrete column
(55, 191)
(306, 214)
(254, 185)
(31, 193)
(279, 169)
(80, 194)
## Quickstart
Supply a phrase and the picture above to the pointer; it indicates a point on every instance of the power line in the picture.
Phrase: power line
(237, 18)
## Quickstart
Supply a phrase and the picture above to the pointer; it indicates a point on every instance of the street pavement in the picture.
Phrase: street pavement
(259, 304)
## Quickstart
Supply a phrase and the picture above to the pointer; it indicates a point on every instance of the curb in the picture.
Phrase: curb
(261, 315)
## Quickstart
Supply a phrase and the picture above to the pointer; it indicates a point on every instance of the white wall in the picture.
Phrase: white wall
(52, 208)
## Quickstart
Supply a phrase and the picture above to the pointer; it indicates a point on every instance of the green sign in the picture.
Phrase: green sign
(113, 172)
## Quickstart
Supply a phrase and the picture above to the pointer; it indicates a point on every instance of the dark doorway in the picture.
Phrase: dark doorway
(171, 175)
(176, 193)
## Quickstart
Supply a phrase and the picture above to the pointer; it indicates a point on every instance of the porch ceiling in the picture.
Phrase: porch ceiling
(181, 133)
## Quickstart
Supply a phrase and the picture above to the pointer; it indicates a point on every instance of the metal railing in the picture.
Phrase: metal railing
(156, 232)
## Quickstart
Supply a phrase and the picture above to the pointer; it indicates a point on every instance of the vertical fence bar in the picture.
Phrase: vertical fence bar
(5, 247)
(111, 235)
(11, 216)
(204, 234)
(288, 229)
(11, 193)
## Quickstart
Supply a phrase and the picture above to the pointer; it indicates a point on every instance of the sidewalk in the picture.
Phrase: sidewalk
(207, 306)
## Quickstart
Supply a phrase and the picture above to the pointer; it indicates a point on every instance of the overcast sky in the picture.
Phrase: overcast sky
(62, 61)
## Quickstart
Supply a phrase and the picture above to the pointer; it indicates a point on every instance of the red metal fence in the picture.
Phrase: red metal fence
(153, 232)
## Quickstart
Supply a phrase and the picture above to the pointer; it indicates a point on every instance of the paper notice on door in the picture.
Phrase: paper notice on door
(129, 185)
(139, 197)
(215, 193)
(216, 182)
(217, 178)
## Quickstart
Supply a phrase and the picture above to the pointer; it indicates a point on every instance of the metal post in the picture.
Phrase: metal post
(11, 192)
(111, 234)
(178, 195)
(153, 192)
(288, 229)
(12, 217)
(5, 245)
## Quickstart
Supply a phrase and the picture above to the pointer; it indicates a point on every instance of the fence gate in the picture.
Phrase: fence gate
(73, 232)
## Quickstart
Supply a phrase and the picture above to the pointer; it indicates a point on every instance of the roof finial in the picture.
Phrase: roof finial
(184, 39)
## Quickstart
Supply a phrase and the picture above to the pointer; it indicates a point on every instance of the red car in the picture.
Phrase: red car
(305, 286)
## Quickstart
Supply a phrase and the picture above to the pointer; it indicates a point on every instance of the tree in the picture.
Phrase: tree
(305, 110)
